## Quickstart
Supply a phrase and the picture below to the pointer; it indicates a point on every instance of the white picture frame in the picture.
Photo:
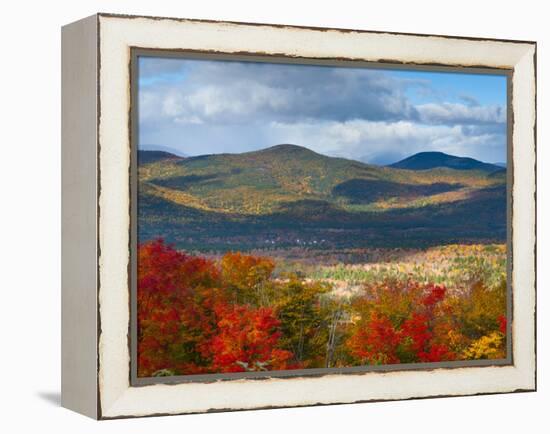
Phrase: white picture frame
(96, 102)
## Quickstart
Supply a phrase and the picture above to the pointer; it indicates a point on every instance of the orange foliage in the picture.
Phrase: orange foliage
(186, 324)
(246, 277)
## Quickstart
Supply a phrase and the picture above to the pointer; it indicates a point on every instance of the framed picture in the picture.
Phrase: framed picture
(262, 216)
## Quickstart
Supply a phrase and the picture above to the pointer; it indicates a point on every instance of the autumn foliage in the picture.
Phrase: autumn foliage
(232, 314)
(247, 339)
(403, 323)
(188, 322)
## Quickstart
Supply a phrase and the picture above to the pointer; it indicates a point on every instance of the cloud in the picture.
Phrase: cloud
(232, 92)
(469, 100)
(203, 107)
(385, 142)
(456, 113)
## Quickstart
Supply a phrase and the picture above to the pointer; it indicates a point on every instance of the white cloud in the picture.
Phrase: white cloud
(189, 120)
(446, 113)
(241, 93)
(204, 106)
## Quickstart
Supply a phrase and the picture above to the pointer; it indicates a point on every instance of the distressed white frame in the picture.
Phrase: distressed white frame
(116, 398)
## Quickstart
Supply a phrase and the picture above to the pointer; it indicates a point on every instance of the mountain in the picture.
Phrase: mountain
(431, 160)
(147, 157)
(169, 149)
(262, 181)
(288, 193)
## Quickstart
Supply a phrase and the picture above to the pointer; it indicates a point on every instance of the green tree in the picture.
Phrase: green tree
(303, 320)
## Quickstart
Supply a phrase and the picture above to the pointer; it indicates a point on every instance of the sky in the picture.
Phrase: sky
(196, 107)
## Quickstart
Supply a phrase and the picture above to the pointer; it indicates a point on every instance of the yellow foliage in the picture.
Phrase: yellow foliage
(491, 346)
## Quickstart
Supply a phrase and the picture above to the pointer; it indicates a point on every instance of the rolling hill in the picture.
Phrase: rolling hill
(147, 157)
(287, 195)
(431, 160)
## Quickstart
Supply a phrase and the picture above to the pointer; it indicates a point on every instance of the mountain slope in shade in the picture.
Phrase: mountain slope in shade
(148, 157)
(432, 160)
(169, 149)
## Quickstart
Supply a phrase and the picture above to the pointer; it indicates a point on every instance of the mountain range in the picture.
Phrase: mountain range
(287, 195)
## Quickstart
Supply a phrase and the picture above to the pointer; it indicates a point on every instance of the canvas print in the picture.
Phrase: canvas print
(297, 217)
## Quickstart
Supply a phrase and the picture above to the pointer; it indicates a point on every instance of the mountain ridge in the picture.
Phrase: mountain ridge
(433, 159)
(424, 160)
(258, 182)
(152, 156)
